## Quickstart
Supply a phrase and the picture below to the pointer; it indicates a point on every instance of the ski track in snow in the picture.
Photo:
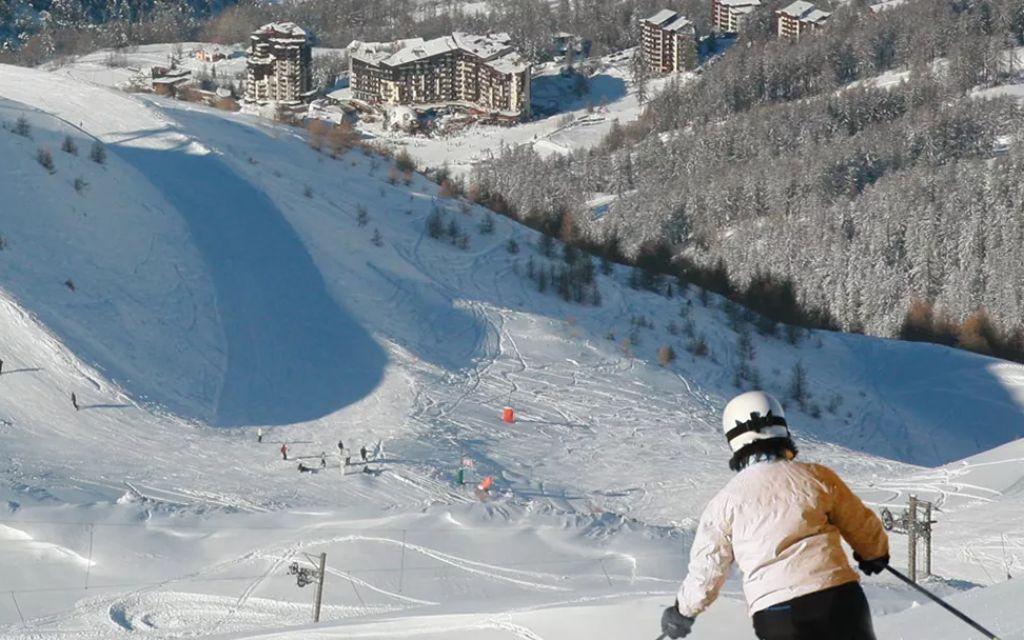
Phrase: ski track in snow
(602, 475)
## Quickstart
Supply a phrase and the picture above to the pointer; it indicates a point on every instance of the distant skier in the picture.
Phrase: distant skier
(74, 400)
(363, 452)
(341, 446)
(1, 367)
(259, 434)
(323, 460)
(284, 451)
(782, 522)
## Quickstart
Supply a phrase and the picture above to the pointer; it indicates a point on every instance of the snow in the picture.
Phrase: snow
(282, 28)
(661, 16)
(212, 297)
(566, 122)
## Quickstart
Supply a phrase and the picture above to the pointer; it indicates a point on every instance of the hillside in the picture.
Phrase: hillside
(226, 277)
(867, 179)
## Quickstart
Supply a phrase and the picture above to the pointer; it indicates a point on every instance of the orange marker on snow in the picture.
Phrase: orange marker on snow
(486, 483)
(508, 415)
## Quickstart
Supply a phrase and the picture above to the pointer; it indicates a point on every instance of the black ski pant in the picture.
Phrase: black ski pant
(839, 613)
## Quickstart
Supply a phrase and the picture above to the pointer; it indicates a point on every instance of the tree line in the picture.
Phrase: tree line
(849, 180)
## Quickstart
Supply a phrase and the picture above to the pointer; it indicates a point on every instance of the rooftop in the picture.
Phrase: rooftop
(677, 24)
(511, 62)
(421, 51)
(662, 16)
(494, 48)
(281, 29)
(805, 11)
(885, 4)
(736, 4)
(375, 52)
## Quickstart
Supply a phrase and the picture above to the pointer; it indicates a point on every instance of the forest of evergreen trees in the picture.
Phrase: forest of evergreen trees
(891, 208)
(33, 31)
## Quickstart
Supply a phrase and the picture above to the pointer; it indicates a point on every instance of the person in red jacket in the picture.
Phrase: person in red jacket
(783, 523)
(284, 451)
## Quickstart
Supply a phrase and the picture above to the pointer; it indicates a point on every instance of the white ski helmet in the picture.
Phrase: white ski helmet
(753, 416)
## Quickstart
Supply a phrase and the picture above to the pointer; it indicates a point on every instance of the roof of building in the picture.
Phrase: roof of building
(662, 16)
(511, 62)
(486, 46)
(496, 49)
(885, 4)
(421, 51)
(677, 24)
(375, 52)
(281, 28)
(741, 4)
(805, 12)
(171, 80)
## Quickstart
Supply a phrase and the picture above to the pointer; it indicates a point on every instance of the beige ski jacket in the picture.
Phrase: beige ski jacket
(781, 521)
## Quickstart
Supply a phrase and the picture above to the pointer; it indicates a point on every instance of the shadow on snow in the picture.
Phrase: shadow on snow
(293, 353)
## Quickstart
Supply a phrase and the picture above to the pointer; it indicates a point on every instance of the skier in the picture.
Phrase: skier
(284, 451)
(323, 460)
(362, 452)
(259, 434)
(781, 521)
(1, 367)
(74, 400)
(341, 447)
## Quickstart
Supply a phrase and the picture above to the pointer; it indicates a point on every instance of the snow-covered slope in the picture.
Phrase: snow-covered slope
(226, 275)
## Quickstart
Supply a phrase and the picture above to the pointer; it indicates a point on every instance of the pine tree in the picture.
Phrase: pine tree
(798, 384)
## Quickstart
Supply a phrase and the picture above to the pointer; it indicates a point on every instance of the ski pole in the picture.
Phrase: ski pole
(942, 603)
(661, 637)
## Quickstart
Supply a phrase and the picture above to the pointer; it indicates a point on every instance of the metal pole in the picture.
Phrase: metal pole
(912, 539)
(942, 603)
(88, 565)
(401, 571)
(927, 538)
(320, 587)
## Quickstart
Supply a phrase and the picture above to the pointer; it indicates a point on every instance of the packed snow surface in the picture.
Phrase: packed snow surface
(216, 276)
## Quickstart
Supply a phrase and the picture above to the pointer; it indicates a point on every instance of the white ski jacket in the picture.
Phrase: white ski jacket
(781, 521)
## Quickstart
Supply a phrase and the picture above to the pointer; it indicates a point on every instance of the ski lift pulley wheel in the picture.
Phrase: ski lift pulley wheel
(888, 522)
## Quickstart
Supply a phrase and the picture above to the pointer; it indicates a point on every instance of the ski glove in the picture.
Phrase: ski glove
(674, 624)
(871, 567)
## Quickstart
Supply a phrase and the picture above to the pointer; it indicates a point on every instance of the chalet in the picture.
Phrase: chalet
(668, 42)
(484, 75)
(799, 17)
(278, 66)
(167, 82)
(210, 55)
(730, 16)
(568, 45)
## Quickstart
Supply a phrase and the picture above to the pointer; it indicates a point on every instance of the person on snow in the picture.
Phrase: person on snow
(74, 400)
(363, 452)
(284, 451)
(341, 446)
(323, 460)
(259, 434)
(782, 521)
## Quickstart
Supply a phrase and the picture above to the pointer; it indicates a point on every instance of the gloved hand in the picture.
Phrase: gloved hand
(871, 567)
(674, 624)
